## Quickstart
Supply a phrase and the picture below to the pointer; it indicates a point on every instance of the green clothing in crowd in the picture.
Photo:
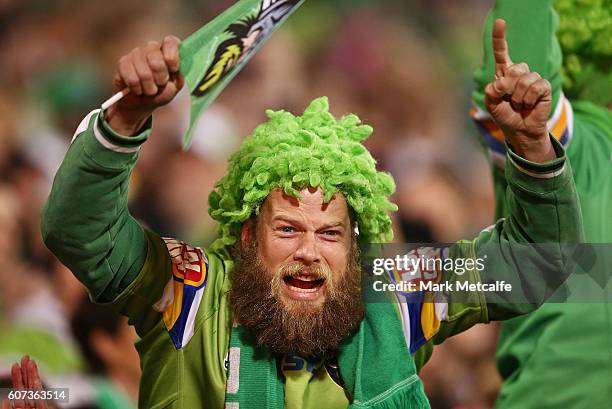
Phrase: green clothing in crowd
(561, 355)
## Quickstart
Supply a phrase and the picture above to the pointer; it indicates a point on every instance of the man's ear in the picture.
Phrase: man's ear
(247, 233)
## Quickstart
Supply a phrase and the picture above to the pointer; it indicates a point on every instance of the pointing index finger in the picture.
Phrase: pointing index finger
(500, 47)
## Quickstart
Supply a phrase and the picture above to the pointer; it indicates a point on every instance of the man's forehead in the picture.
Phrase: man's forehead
(310, 200)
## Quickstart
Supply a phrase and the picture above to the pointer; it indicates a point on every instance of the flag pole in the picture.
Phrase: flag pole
(115, 98)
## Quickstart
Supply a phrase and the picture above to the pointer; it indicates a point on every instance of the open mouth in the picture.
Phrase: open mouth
(303, 284)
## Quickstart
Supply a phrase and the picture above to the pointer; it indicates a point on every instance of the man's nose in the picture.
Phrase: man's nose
(308, 250)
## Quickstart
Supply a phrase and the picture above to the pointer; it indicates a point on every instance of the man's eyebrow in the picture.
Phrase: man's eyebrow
(332, 225)
(283, 218)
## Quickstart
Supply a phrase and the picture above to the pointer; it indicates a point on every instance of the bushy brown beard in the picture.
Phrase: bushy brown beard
(311, 330)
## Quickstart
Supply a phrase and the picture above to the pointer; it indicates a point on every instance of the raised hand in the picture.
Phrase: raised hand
(26, 377)
(152, 75)
(519, 101)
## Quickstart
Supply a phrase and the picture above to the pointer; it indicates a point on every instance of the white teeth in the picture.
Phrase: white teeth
(307, 278)
(303, 290)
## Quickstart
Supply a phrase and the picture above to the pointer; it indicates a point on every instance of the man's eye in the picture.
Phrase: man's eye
(331, 232)
(287, 229)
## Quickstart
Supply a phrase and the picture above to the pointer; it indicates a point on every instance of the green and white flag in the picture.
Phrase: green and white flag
(213, 55)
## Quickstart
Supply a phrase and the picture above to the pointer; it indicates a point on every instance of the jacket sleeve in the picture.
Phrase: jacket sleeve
(87, 225)
(528, 250)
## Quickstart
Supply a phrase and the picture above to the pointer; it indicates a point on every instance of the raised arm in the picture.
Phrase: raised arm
(543, 206)
(529, 248)
(86, 222)
(532, 40)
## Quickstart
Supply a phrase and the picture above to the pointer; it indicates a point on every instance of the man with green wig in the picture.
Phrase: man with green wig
(271, 315)
(561, 355)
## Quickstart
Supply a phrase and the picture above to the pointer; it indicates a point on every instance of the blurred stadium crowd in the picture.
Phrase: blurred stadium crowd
(404, 67)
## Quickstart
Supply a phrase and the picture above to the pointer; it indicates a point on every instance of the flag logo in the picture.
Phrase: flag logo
(246, 36)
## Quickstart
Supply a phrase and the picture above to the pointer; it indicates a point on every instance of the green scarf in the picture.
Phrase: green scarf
(375, 364)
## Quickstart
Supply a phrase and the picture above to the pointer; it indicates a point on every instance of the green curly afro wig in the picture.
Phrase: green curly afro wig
(293, 152)
(585, 35)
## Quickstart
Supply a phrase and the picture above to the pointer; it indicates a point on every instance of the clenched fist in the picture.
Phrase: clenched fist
(152, 75)
(519, 101)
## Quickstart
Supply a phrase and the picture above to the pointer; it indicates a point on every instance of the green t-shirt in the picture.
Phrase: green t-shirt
(175, 294)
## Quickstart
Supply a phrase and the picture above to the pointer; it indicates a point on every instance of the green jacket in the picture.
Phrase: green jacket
(561, 355)
(176, 294)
